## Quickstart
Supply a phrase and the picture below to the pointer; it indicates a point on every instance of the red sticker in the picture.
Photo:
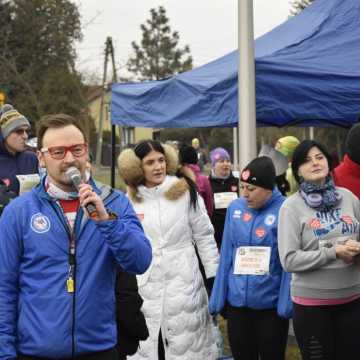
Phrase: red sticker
(245, 175)
(347, 219)
(247, 217)
(260, 232)
(140, 217)
(234, 188)
(315, 224)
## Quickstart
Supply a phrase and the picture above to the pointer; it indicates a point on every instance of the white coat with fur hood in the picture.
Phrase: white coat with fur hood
(175, 298)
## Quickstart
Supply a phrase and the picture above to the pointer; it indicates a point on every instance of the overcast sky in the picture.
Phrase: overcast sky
(209, 27)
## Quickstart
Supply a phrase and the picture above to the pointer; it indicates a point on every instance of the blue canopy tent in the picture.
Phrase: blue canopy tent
(307, 73)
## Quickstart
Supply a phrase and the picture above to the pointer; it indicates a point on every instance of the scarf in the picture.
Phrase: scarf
(320, 197)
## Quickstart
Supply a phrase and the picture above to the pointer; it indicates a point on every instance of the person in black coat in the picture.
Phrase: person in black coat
(131, 324)
(225, 187)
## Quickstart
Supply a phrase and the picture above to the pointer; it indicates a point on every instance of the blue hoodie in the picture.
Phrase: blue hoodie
(22, 163)
(248, 227)
(38, 316)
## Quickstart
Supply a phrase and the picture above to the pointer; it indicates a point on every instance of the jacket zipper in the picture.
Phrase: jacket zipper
(72, 270)
(247, 276)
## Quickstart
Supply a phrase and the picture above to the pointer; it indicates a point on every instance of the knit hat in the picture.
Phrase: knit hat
(286, 145)
(195, 141)
(188, 155)
(218, 154)
(352, 144)
(260, 172)
(11, 119)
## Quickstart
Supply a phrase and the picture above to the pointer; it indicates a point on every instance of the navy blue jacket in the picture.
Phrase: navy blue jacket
(39, 317)
(23, 163)
(248, 227)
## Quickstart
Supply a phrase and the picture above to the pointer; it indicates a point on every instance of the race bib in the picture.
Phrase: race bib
(27, 182)
(252, 260)
(223, 199)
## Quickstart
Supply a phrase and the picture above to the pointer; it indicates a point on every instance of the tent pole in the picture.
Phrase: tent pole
(235, 148)
(246, 84)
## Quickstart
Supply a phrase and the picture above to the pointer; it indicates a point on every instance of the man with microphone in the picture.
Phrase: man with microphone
(58, 262)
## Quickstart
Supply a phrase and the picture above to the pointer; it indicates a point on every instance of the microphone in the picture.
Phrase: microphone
(74, 175)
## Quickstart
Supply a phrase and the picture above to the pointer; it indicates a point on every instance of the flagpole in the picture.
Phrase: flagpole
(246, 84)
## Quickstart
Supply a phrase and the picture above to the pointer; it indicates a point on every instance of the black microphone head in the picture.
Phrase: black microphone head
(74, 175)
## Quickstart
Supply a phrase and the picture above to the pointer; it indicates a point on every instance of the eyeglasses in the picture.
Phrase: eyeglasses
(59, 152)
(21, 132)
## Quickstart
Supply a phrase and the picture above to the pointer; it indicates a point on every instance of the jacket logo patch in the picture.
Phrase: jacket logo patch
(40, 223)
(260, 232)
(7, 182)
(247, 217)
(237, 214)
(270, 219)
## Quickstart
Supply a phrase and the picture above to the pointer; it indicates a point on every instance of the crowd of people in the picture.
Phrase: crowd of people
(88, 272)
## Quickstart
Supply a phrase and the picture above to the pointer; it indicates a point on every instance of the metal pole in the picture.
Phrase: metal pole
(246, 84)
(235, 148)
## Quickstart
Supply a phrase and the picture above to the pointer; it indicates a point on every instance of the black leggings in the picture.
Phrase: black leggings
(254, 333)
(328, 332)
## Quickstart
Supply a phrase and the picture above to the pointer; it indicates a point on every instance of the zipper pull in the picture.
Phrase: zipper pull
(70, 285)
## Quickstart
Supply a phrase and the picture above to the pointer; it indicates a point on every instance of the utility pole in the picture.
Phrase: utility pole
(113, 127)
(108, 50)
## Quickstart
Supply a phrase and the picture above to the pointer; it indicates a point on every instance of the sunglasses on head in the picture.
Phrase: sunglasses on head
(59, 152)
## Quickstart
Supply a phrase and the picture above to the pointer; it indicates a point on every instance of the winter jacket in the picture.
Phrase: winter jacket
(248, 227)
(23, 163)
(39, 317)
(204, 188)
(347, 175)
(175, 299)
(231, 184)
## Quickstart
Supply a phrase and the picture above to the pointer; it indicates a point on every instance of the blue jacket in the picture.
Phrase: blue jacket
(23, 163)
(248, 227)
(38, 317)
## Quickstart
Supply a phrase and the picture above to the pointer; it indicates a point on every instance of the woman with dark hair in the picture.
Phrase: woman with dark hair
(174, 218)
(319, 245)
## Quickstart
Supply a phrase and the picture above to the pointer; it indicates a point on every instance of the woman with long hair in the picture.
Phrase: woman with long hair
(174, 218)
(319, 245)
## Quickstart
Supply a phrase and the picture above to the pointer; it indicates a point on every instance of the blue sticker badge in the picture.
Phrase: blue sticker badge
(40, 223)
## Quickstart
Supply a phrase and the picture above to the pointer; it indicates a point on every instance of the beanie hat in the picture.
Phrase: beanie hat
(195, 141)
(286, 145)
(11, 119)
(218, 154)
(352, 144)
(188, 155)
(260, 172)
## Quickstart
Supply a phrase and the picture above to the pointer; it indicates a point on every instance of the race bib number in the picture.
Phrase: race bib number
(27, 182)
(223, 199)
(252, 260)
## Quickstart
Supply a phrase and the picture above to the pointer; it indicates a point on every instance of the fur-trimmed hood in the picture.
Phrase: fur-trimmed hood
(130, 169)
